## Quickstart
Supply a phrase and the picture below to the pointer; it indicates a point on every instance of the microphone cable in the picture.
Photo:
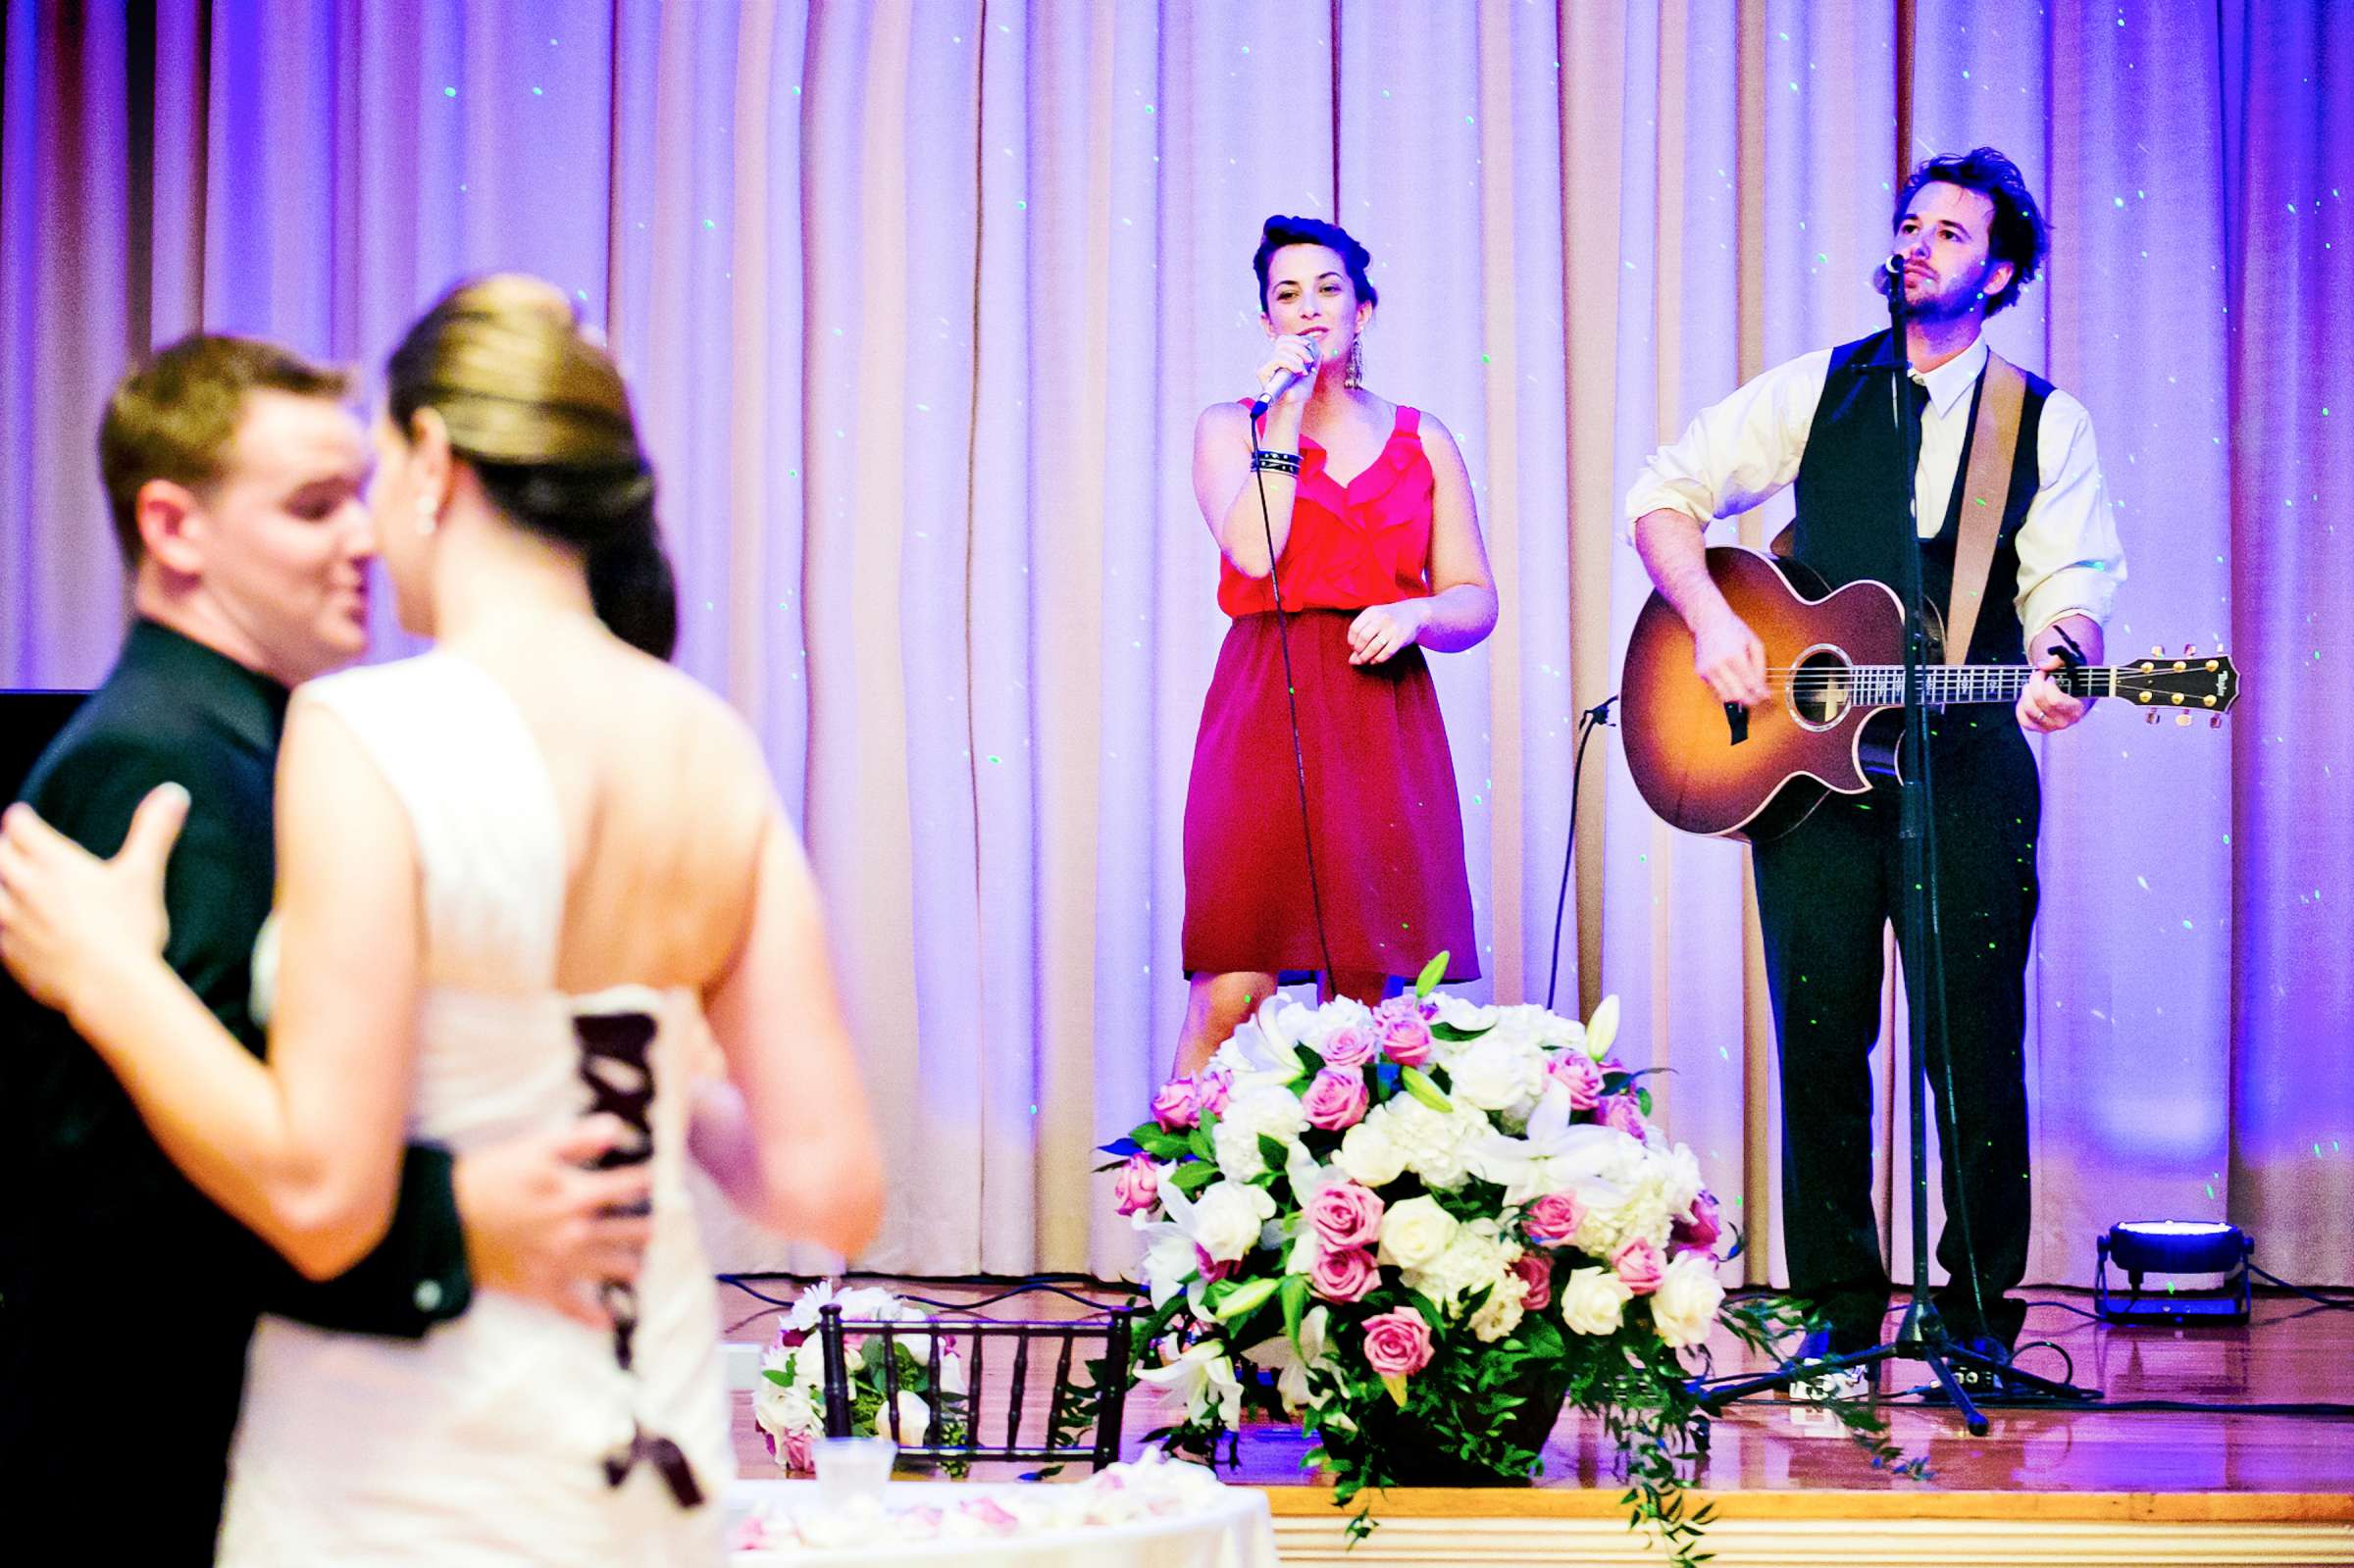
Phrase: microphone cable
(1290, 692)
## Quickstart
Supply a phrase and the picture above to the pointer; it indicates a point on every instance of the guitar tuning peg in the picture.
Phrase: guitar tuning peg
(2157, 651)
(2215, 721)
(2189, 648)
(2151, 718)
(2182, 720)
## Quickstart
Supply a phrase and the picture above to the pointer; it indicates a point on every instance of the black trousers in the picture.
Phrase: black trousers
(1825, 891)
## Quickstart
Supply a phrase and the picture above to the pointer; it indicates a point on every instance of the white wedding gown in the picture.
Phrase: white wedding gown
(488, 1442)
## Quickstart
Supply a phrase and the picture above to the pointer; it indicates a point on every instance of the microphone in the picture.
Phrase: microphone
(1283, 382)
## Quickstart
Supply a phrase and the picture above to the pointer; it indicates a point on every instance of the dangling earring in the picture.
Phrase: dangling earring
(1357, 365)
(427, 518)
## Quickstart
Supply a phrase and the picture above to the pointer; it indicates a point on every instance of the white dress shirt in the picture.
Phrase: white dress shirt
(1747, 448)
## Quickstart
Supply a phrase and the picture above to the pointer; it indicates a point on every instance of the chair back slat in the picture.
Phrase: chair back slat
(956, 1432)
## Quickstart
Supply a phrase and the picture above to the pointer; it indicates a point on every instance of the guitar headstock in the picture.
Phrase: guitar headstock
(2184, 685)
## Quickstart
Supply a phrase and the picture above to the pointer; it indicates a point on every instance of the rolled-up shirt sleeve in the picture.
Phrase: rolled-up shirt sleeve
(2071, 559)
(1735, 453)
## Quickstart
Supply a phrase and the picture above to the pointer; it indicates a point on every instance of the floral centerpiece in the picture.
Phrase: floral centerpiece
(790, 1401)
(1429, 1224)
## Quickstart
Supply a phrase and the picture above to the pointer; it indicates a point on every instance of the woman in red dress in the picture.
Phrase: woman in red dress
(1369, 535)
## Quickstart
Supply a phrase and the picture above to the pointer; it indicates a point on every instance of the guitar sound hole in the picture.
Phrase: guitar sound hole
(1819, 693)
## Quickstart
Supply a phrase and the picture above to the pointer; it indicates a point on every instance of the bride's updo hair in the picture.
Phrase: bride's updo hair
(539, 411)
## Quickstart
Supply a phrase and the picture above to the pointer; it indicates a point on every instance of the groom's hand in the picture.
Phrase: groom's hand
(539, 1225)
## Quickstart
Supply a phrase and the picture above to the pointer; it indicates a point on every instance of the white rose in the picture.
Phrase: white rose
(1415, 1232)
(1268, 1110)
(1496, 1074)
(1370, 1156)
(1684, 1306)
(1228, 1217)
(1500, 1314)
(915, 1420)
(1474, 1259)
(781, 1409)
(1592, 1300)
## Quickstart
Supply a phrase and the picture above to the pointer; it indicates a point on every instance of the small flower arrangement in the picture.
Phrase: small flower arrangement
(1430, 1223)
(790, 1401)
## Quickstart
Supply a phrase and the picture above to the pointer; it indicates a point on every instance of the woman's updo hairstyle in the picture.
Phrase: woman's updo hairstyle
(1279, 231)
(540, 414)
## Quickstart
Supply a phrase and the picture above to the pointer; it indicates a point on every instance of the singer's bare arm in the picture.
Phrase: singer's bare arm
(1460, 609)
(1726, 654)
(1223, 481)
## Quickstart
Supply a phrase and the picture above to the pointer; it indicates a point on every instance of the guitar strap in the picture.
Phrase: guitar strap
(1993, 447)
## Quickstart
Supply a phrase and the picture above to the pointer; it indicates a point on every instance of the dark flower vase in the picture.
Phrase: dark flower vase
(1414, 1460)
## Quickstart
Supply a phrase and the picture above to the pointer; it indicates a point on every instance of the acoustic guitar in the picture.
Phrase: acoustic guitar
(1834, 668)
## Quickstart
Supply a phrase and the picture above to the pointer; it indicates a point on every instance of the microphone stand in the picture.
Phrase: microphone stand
(1923, 1334)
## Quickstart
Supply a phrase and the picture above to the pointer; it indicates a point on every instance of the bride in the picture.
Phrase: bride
(512, 872)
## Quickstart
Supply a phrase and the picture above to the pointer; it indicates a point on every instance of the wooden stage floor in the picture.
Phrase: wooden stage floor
(2095, 1486)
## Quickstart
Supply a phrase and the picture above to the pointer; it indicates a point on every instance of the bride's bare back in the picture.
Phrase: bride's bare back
(666, 803)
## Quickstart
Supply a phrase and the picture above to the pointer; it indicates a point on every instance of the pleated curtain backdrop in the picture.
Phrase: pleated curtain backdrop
(919, 302)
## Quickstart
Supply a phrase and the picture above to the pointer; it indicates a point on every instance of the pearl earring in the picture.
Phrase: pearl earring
(427, 518)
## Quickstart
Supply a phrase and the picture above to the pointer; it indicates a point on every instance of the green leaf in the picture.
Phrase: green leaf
(1643, 1100)
(1432, 972)
(1311, 1064)
(1120, 1148)
(1161, 1144)
(1449, 1032)
(1190, 1178)
(1272, 1150)
(782, 1381)
(1295, 1306)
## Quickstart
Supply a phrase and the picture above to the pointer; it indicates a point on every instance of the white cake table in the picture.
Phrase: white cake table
(1227, 1527)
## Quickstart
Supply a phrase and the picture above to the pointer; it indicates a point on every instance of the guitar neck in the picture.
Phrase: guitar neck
(1883, 685)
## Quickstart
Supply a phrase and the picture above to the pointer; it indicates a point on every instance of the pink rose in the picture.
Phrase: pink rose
(1137, 1185)
(1621, 1112)
(1397, 1344)
(1211, 1090)
(1346, 1215)
(1175, 1107)
(1640, 1266)
(1405, 1039)
(1698, 1228)
(1212, 1271)
(793, 1450)
(1576, 1070)
(1349, 1046)
(1552, 1220)
(1536, 1272)
(1335, 1100)
(1349, 1274)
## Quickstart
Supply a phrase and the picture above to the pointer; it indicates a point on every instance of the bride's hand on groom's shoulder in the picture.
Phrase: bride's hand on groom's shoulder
(71, 924)
(541, 1225)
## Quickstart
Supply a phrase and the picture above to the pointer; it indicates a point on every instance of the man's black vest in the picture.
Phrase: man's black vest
(1852, 488)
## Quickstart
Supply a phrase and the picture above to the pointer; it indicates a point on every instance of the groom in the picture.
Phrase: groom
(233, 471)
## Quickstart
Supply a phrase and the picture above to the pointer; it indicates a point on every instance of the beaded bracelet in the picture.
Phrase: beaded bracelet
(1276, 462)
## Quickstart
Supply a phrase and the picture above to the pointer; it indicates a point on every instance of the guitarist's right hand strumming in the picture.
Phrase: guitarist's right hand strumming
(1726, 654)
(1728, 657)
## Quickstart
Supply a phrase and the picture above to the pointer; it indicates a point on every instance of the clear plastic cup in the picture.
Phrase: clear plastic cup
(852, 1468)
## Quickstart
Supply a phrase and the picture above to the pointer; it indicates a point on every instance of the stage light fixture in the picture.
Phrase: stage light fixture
(2140, 1248)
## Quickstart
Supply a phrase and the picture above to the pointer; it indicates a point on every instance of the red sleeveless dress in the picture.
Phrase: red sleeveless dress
(1382, 810)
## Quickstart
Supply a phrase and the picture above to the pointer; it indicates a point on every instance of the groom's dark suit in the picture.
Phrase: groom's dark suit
(126, 1297)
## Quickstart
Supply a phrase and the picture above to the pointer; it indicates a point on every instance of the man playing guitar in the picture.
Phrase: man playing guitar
(1971, 236)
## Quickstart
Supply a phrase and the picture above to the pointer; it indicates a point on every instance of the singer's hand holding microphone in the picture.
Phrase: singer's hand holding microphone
(1288, 377)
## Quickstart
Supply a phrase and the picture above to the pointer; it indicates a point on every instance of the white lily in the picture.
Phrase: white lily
(1292, 1366)
(1203, 1374)
(1553, 1155)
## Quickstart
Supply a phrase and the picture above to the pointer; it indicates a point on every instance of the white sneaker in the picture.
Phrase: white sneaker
(1832, 1383)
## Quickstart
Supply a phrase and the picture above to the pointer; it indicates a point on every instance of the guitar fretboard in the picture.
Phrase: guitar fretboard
(1883, 685)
